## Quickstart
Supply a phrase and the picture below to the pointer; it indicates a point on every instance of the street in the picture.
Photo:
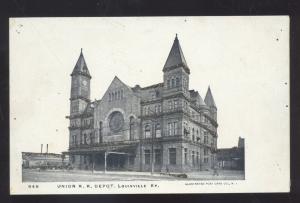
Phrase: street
(34, 175)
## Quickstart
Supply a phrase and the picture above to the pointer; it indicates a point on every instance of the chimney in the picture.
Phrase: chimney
(47, 149)
(41, 148)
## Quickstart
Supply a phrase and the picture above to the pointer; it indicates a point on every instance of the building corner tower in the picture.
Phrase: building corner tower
(79, 98)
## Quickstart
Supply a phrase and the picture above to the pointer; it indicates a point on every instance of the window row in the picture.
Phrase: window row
(173, 82)
(172, 128)
(194, 155)
(148, 110)
(172, 156)
(116, 95)
(148, 130)
(85, 123)
(84, 139)
(158, 156)
(173, 104)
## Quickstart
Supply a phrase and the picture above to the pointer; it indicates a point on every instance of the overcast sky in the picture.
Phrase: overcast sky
(245, 60)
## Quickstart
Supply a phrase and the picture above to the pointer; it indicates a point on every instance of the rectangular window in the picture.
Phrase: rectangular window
(169, 129)
(175, 125)
(172, 156)
(157, 130)
(74, 139)
(147, 156)
(205, 151)
(177, 82)
(157, 156)
(100, 132)
(147, 131)
(185, 155)
(197, 158)
(170, 105)
(193, 135)
(175, 104)
(91, 138)
(205, 139)
(193, 158)
(173, 82)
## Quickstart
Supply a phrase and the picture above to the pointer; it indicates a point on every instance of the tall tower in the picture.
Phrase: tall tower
(176, 71)
(210, 102)
(80, 97)
(80, 87)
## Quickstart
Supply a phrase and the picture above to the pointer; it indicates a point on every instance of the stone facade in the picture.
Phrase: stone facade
(164, 127)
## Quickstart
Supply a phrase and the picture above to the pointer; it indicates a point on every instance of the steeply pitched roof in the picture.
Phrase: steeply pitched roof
(176, 57)
(81, 67)
(209, 99)
(198, 98)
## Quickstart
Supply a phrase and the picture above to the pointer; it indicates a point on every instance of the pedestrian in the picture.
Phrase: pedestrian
(215, 171)
(167, 169)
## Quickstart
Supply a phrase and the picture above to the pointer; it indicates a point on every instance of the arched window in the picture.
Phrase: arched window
(177, 82)
(109, 96)
(157, 130)
(147, 131)
(119, 95)
(112, 96)
(131, 128)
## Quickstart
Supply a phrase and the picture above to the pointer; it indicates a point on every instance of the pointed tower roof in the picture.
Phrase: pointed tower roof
(176, 57)
(197, 97)
(209, 99)
(81, 67)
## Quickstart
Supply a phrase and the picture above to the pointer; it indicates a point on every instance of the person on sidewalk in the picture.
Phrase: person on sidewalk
(215, 171)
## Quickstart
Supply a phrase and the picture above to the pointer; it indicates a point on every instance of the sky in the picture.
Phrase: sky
(245, 60)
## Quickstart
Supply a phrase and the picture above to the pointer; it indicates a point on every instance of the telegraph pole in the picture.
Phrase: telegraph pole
(105, 154)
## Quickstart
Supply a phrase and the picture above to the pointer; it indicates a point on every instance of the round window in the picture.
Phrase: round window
(116, 121)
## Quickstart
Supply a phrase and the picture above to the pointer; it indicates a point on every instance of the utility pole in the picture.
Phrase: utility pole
(105, 154)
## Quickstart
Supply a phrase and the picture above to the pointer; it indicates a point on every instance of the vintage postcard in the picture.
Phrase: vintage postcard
(117, 105)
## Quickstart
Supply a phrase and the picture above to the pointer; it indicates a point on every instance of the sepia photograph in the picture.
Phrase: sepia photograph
(149, 105)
